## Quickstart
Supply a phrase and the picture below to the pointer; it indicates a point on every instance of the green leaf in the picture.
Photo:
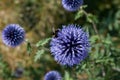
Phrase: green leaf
(43, 42)
(90, 18)
(29, 48)
(67, 76)
(107, 40)
(83, 66)
(79, 14)
(94, 38)
(38, 54)
(84, 6)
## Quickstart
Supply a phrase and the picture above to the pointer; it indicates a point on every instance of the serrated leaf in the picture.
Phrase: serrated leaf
(38, 55)
(79, 14)
(42, 42)
(90, 18)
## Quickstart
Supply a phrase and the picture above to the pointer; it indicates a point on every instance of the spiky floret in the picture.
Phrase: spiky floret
(13, 35)
(72, 5)
(53, 75)
(71, 45)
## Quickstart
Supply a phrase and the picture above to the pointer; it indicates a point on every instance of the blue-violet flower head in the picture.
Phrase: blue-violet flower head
(53, 75)
(71, 45)
(18, 72)
(13, 35)
(72, 5)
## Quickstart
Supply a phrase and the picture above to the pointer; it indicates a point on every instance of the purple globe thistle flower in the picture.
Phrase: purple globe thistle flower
(72, 5)
(18, 72)
(13, 35)
(53, 75)
(71, 45)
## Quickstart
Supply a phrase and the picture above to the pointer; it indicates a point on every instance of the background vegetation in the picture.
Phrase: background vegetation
(38, 17)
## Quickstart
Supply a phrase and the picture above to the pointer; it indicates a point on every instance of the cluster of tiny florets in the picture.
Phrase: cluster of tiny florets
(13, 35)
(53, 75)
(70, 46)
(72, 5)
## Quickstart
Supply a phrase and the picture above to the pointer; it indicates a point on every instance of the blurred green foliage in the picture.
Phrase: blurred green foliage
(38, 17)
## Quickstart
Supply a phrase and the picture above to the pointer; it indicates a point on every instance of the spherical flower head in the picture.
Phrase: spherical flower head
(13, 35)
(18, 72)
(72, 5)
(53, 75)
(71, 45)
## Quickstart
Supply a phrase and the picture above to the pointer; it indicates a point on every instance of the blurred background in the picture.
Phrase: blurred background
(38, 17)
